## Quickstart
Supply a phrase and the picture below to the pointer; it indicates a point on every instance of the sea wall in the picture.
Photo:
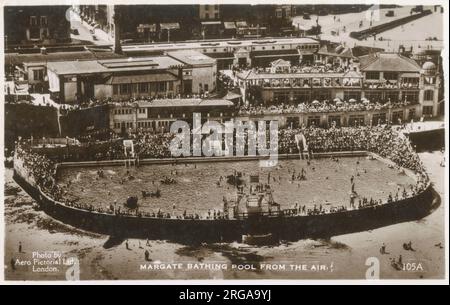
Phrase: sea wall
(427, 139)
(360, 35)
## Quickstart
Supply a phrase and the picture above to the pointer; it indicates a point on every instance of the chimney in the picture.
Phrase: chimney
(117, 20)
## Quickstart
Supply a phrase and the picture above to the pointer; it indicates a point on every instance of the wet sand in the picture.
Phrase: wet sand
(104, 259)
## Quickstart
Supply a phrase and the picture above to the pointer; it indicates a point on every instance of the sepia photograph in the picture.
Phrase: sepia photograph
(221, 140)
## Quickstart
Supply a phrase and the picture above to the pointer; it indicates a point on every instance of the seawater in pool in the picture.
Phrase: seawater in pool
(197, 190)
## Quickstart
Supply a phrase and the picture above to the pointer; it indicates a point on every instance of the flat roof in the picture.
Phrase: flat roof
(192, 57)
(113, 65)
(186, 102)
(15, 58)
(219, 44)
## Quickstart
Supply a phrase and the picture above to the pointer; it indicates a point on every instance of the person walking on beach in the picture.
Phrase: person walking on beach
(13, 264)
(126, 245)
(383, 249)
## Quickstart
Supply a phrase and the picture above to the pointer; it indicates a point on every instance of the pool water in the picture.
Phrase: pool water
(198, 187)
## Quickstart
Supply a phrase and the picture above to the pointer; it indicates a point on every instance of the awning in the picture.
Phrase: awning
(232, 96)
(144, 78)
(229, 25)
(241, 24)
(149, 27)
(276, 55)
(170, 26)
(21, 89)
(211, 23)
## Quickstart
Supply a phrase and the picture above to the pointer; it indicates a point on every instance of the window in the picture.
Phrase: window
(38, 74)
(302, 96)
(392, 96)
(379, 118)
(397, 117)
(206, 87)
(206, 16)
(162, 86)
(373, 75)
(216, 15)
(427, 110)
(143, 87)
(314, 121)
(33, 20)
(390, 75)
(153, 87)
(43, 20)
(412, 113)
(373, 96)
(115, 89)
(280, 97)
(170, 86)
(125, 88)
(428, 80)
(428, 95)
(356, 120)
(334, 120)
(321, 95)
(352, 95)
(411, 96)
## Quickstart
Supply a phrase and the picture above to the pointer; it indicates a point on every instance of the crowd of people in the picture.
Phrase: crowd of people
(391, 85)
(316, 107)
(385, 141)
(305, 68)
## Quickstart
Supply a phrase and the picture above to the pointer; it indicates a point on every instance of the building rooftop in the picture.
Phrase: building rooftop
(338, 50)
(388, 62)
(113, 65)
(192, 57)
(218, 44)
(17, 59)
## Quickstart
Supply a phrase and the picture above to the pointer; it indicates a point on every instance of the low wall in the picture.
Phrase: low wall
(184, 160)
(427, 139)
(387, 26)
